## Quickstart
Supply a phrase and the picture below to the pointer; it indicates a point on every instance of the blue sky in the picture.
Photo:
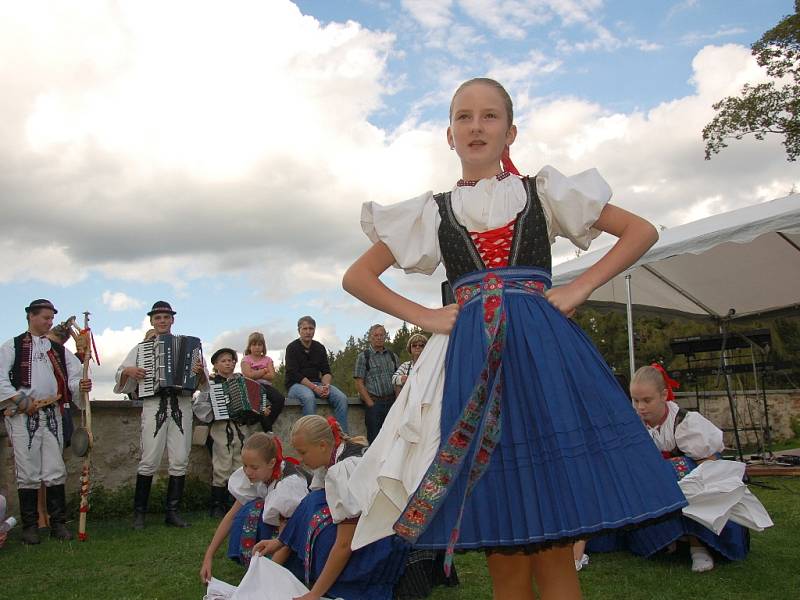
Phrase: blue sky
(217, 157)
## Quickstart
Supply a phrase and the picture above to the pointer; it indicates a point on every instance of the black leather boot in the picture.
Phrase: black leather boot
(140, 498)
(57, 507)
(219, 495)
(174, 495)
(29, 515)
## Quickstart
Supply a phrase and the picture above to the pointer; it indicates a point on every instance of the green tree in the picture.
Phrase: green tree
(766, 108)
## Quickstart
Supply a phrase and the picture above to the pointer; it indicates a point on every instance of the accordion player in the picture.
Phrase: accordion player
(239, 399)
(167, 361)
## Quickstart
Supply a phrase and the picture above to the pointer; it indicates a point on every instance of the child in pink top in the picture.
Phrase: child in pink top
(258, 366)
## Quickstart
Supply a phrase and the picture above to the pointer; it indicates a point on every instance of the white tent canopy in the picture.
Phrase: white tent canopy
(747, 260)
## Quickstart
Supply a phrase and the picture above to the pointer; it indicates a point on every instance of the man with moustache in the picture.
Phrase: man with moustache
(38, 377)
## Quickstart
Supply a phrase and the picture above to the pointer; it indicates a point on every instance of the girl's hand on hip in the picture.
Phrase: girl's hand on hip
(440, 320)
(567, 298)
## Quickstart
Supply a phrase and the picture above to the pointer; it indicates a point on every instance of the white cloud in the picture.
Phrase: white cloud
(431, 14)
(49, 263)
(695, 37)
(119, 301)
(654, 159)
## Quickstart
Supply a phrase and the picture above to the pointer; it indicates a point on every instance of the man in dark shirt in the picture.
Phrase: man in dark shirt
(373, 374)
(308, 374)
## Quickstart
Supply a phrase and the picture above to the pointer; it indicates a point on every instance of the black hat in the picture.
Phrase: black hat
(221, 351)
(40, 303)
(161, 307)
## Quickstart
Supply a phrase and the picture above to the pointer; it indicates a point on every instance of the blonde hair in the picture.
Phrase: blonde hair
(650, 375)
(414, 338)
(266, 444)
(509, 105)
(255, 337)
(316, 429)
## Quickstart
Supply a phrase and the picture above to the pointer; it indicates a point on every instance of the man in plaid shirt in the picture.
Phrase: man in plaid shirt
(373, 374)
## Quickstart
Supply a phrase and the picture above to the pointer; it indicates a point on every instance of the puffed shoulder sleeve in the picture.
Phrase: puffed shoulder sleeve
(573, 204)
(697, 437)
(337, 490)
(409, 229)
(240, 487)
(284, 499)
(130, 384)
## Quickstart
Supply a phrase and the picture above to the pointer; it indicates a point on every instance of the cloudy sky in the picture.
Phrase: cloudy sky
(216, 155)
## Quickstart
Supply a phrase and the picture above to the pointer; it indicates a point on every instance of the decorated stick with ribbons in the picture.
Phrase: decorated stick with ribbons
(85, 439)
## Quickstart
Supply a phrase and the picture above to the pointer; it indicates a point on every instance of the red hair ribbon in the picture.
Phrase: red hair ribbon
(505, 159)
(336, 430)
(276, 470)
(669, 382)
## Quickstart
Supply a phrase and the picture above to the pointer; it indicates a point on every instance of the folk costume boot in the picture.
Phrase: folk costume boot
(219, 496)
(29, 515)
(174, 495)
(57, 507)
(140, 498)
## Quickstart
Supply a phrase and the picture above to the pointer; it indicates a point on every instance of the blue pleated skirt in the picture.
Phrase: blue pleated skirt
(573, 458)
(371, 572)
(247, 529)
(733, 542)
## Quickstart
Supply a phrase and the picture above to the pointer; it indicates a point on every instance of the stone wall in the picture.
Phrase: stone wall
(782, 406)
(116, 430)
(115, 456)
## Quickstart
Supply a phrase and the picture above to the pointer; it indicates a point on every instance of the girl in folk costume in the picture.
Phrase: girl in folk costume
(267, 488)
(258, 366)
(686, 440)
(534, 445)
(321, 530)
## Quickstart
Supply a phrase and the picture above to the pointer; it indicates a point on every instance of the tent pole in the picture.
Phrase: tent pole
(629, 310)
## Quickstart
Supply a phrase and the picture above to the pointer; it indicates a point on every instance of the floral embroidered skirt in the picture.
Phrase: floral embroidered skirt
(247, 529)
(371, 571)
(551, 448)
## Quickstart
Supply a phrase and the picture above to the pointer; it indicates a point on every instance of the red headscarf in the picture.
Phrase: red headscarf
(505, 158)
(670, 383)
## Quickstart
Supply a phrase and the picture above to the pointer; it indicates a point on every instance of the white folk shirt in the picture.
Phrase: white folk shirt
(43, 380)
(695, 436)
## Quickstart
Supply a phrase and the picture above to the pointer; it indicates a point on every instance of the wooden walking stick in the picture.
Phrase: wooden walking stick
(85, 439)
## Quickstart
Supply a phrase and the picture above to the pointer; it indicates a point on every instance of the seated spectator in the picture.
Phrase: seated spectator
(258, 366)
(308, 374)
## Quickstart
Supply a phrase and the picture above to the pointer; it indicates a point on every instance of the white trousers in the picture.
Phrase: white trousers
(166, 424)
(38, 443)
(226, 453)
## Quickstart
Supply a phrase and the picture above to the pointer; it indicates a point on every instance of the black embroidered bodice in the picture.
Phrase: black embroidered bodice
(530, 246)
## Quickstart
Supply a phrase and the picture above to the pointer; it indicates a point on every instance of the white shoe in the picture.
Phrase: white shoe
(581, 562)
(702, 561)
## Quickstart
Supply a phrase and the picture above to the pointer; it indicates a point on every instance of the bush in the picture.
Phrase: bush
(118, 503)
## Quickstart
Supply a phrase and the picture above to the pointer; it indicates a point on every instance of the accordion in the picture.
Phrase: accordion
(238, 399)
(167, 360)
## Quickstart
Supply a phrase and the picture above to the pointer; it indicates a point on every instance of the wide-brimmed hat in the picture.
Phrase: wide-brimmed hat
(161, 307)
(221, 351)
(40, 303)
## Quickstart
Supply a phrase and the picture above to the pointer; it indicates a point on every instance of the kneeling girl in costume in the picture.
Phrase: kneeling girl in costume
(321, 530)
(267, 489)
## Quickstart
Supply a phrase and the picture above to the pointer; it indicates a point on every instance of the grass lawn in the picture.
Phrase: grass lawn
(120, 564)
